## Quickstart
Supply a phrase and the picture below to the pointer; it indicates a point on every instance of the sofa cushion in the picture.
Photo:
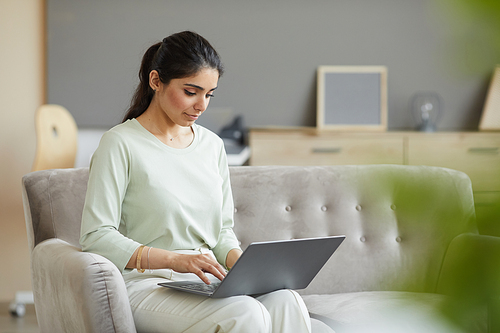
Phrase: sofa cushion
(390, 311)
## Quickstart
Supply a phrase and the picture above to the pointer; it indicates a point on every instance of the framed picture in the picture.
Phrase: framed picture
(352, 98)
(490, 119)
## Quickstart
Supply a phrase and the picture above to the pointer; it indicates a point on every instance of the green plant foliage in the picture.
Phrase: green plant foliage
(474, 33)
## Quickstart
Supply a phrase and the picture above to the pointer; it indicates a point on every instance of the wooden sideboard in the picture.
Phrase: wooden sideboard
(475, 153)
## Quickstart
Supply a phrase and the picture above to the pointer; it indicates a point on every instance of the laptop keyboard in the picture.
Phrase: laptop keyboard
(202, 286)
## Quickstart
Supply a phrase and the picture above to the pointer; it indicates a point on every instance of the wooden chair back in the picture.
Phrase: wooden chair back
(57, 138)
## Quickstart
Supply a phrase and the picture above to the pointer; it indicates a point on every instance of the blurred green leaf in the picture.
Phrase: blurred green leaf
(473, 31)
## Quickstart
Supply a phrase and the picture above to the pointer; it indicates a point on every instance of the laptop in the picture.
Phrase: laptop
(268, 266)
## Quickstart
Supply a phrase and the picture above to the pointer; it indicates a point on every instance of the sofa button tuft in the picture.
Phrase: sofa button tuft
(363, 239)
(288, 208)
(393, 207)
(323, 208)
(398, 239)
(358, 208)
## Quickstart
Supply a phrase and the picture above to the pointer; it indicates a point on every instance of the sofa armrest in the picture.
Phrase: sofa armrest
(76, 291)
(470, 274)
(471, 265)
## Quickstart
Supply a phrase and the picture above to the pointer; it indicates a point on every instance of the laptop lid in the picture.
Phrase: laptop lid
(268, 266)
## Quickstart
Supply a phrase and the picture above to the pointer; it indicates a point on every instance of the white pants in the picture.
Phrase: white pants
(160, 309)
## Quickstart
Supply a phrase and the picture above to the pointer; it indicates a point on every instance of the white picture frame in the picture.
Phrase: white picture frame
(352, 98)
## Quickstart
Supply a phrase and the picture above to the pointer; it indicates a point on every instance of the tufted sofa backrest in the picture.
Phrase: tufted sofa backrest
(398, 220)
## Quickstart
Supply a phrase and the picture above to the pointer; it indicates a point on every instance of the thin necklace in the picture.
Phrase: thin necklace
(171, 139)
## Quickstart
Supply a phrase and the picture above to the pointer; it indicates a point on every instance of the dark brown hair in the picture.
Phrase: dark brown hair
(180, 55)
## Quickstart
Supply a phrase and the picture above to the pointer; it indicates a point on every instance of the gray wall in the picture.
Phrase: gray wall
(270, 48)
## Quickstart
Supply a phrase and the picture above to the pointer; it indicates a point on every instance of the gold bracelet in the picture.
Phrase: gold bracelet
(139, 255)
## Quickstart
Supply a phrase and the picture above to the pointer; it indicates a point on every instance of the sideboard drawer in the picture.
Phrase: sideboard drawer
(475, 154)
(311, 150)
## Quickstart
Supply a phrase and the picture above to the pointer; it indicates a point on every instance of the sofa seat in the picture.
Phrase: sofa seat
(389, 311)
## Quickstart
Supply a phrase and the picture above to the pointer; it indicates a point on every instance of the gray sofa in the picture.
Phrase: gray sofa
(412, 260)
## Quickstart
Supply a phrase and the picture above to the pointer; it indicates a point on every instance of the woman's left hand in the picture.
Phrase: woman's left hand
(232, 257)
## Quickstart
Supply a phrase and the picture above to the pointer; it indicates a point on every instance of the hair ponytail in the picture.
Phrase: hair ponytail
(180, 55)
(143, 93)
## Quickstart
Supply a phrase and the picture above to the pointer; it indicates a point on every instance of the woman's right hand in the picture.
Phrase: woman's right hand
(198, 264)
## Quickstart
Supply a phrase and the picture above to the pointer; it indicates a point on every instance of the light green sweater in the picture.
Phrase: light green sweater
(141, 191)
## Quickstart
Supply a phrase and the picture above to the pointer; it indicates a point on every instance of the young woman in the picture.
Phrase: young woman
(159, 202)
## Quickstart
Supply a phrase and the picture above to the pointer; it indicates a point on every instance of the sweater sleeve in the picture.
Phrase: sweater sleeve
(107, 185)
(227, 238)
